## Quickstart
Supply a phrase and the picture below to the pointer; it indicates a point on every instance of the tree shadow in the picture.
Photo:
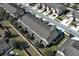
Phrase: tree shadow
(14, 35)
(24, 44)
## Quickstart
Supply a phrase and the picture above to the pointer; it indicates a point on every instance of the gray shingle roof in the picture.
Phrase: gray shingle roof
(70, 48)
(14, 9)
(31, 22)
(72, 51)
(9, 8)
(38, 27)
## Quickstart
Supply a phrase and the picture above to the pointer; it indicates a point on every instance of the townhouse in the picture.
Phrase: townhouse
(45, 34)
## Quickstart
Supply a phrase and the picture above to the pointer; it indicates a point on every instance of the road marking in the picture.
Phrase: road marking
(26, 40)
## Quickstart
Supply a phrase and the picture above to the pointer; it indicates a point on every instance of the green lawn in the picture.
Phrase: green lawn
(20, 52)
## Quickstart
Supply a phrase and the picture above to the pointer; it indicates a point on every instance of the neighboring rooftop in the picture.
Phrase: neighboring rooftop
(14, 9)
(9, 8)
(70, 48)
